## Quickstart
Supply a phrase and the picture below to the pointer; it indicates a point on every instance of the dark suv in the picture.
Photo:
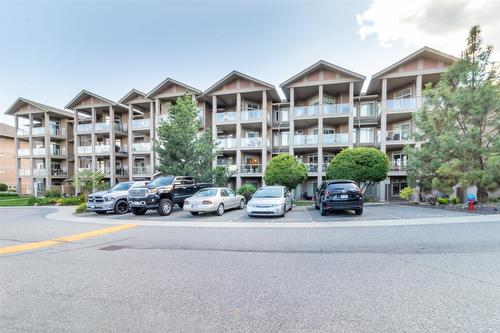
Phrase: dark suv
(162, 193)
(338, 194)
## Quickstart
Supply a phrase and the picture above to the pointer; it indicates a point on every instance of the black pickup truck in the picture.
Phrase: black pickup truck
(162, 193)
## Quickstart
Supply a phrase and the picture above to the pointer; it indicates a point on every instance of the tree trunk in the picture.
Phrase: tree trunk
(482, 194)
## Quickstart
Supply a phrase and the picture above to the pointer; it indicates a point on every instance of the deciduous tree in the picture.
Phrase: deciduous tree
(286, 170)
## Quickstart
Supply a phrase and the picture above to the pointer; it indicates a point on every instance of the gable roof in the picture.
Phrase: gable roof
(235, 75)
(20, 102)
(85, 93)
(7, 130)
(169, 81)
(131, 95)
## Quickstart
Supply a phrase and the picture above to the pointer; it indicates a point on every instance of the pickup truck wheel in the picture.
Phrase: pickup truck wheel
(165, 207)
(195, 213)
(220, 210)
(121, 207)
(180, 204)
(138, 211)
(242, 204)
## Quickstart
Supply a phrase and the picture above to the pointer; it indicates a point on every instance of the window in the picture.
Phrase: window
(313, 158)
(251, 106)
(313, 131)
(224, 193)
(328, 100)
(367, 110)
(284, 138)
(366, 135)
(398, 160)
(328, 130)
(405, 93)
(313, 101)
(398, 185)
(252, 134)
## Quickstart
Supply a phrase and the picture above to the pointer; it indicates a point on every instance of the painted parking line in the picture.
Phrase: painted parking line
(62, 240)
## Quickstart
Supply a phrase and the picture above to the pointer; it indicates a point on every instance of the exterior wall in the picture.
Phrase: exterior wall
(7, 160)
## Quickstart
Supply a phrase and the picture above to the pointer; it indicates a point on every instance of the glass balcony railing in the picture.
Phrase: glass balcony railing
(144, 147)
(121, 172)
(251, 115)
(102, 127)
(57, 151)
(40, 172)
(23, 132)
(225, 117)
(311, 167)
(336, 109)
(84, 128)
(23, 152)
(306, 111)
(141, 170)
(251, 168)
(24, 172)
(401, 104)
(102, 149)
(58, 173)
(303, 140)
(57, 131)
(336, 139)
(104, 170)
(227, 143)
(398, 166)
(38, 131)
(140, 123)
(84, 150)
(81, 169)
(38, 151)
(398, 135)
(251, 142)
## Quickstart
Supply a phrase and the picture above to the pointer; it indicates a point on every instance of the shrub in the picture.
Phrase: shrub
(454, 201)
(81, 208)
(286, 170)
(442, 201)
(406, 193)
(3, 187)
(247, 191)
(53, 194)
(8, 194)
(71, 201)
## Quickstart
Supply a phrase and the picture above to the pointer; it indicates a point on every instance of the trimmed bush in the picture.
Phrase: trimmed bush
(3, 187)
(406, 193)
(442, 201)
(247, 191)
(53, 194)
(81, 208)
(8, 194)
(71, 201)
(454, 201)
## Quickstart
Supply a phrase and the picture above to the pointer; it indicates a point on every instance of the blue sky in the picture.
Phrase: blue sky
(50, 50)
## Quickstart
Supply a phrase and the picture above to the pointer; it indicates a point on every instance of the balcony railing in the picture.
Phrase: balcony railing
(143, 147)
(251, 115)
(251, 142)
(398, 166)
(102, 127)
(84, 169)
(38, 131)
(85, 150)
(141, 170)
(228, 164)
(121, 172)
(57, 151)
(22, 132)
(400, 135)
(401, 104)
(311, 167)
(38, 151)
(58, 173)
(225, 117)
(226, 143)
(336, 109)
(102, 149)
(306, 111)
(140, 123)
(303, 140)
(57, 131)
(251, 168)
(84, 128)
(336, 139)
(23, 152)
(24, 172)
(40, 172)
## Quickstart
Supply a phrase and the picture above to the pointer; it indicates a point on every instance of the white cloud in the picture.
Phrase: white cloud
(442, 24)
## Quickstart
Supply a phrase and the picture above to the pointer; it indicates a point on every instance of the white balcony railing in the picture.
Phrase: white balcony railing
(336, 109)
(141, 170)
(306, 111)
(227, 143)
(399, 135)
(84, 128)
(336, 139)
(140, 123)
(23, 152)
(38, 151)
(85, 150)
(401, 104)
(143, 147)
(225, 117)
(304, 140)
(102, 149)
(251, 142)
(251, 115)
(40, 172)
(251, 168)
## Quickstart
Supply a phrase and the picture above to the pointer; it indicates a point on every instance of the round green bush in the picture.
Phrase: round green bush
(247, 191)
(3, 187)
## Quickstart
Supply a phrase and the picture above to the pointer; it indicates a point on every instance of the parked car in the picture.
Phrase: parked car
(338, 194)
(270, 201)
(162, 194)
(214, 200)
(114, 200)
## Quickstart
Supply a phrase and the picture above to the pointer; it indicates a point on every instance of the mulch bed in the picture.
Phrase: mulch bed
(484, 209)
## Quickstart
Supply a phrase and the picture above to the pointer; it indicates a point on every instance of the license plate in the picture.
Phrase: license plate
(137, 203)
(195, 206)
(343, 196)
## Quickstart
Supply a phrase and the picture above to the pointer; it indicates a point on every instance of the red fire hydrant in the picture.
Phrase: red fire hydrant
(472, 202)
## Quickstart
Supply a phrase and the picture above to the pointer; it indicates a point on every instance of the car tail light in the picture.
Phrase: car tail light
(206, 202)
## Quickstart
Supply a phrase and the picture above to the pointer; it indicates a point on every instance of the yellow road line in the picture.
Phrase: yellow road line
(62, 240)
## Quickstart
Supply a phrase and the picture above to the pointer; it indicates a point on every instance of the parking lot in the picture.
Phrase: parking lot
(298, 214)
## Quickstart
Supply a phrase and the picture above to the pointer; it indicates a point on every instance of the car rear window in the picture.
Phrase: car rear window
(209, 192)
(342, 186)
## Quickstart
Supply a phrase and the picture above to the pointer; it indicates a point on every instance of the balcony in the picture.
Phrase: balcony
(336, 139)
(38, 131)
(398, 136)
(85, 150)
(306, 111)
(83, 169)
(121, 172)
(57, 151)
(336, 109)
(311, 167)
(251, 115)
(24, 172)
(84, 128)
(38, 152)
(227, 143)
(102, 149)
(251, 142)
(57, 131)
(40, 172)
(228, 165)
(398, 166)
(141, 170)
(401, 104)
(140, 123)
(251, 169)
(142, 147)
(225, 117)
(102, 127)
(305, 140)
(58, 173)
(23, 132)
(23, 152)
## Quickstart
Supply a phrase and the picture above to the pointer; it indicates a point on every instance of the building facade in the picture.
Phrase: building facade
(7, 156)
(324, 111)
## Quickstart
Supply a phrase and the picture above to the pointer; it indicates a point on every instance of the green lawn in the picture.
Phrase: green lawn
(14, 201)
(303, 202)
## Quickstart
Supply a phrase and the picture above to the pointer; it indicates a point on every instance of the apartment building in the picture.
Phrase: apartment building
(324, 111)
(7, 155)
(44, 146)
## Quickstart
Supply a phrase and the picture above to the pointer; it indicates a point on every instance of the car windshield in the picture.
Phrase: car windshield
(268, 192)
(121, 187)
(162, 181)
(208, 192)
(342, 186)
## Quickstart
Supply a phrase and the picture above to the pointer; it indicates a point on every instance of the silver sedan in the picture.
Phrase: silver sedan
(213, 199)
